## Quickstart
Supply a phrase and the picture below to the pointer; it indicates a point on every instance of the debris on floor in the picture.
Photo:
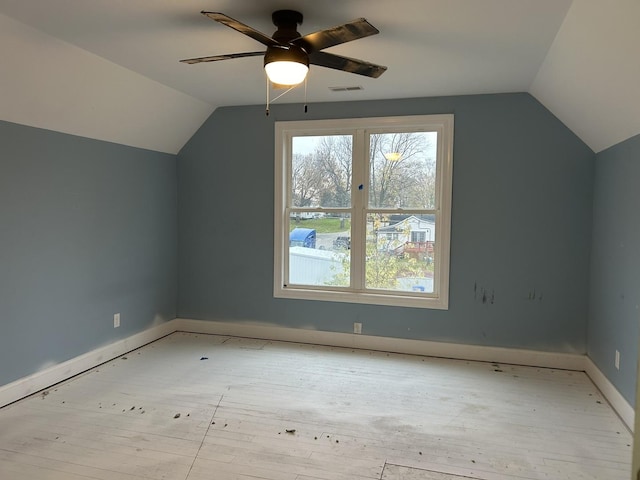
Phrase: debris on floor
(290, 430)
(204, 358)
(177, 415)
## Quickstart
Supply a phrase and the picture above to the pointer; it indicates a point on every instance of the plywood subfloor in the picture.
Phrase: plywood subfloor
(196, 407)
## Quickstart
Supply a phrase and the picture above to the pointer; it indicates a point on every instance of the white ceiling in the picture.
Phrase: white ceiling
(109, 69)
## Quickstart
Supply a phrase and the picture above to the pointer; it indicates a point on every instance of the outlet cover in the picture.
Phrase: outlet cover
(116, 320)
(617, 360)
(357, 327)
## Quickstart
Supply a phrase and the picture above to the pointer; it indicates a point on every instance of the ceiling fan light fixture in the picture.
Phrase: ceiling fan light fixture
(286, 65)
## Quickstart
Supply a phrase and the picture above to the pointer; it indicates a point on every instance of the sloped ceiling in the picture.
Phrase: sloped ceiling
(52, 84)
(590, 78)
(108, 69)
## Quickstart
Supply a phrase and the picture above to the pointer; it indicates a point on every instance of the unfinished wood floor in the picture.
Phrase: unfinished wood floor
(195, 407)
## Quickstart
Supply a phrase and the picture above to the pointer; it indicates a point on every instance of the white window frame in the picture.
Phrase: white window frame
(359, 128)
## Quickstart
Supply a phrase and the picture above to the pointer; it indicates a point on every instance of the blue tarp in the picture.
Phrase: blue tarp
(302, 237)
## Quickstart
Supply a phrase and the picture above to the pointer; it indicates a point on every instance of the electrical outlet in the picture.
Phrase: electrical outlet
(116, 320)
(357, 327)
(617, 360)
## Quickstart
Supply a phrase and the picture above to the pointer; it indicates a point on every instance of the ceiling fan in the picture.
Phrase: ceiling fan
(288, 54)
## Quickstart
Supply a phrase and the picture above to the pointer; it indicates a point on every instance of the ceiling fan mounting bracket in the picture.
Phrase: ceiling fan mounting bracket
(287, 22)
(286, 18)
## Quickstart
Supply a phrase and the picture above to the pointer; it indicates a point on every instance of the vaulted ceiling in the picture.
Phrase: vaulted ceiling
(108, 69)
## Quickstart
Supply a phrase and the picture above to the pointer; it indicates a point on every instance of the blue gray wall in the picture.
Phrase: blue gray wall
(615, 265)
(90, 228)
(87, 229)
(522, 206)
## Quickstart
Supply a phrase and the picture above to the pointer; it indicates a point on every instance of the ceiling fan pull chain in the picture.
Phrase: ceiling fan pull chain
(267, 110)
(305, 94)
(283, 94)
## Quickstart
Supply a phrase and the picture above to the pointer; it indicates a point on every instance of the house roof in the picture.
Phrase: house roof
(109, 70)
(395, 227)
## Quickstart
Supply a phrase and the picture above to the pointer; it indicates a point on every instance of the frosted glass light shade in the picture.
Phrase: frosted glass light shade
(286, 72)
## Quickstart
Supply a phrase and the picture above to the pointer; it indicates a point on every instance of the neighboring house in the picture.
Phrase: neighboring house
(412, 235)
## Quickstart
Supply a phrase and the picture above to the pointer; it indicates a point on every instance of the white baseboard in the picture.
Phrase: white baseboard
(613, 396)
(43, 379)
(514, 356)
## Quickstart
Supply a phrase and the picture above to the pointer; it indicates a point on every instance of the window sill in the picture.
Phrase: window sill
(368, 298)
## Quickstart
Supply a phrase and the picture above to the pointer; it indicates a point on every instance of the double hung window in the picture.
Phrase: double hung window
(363, 210)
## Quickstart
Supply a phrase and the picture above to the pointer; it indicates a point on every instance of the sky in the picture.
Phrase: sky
(304, 145)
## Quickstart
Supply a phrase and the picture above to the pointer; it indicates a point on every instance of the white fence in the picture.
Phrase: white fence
(308, 266)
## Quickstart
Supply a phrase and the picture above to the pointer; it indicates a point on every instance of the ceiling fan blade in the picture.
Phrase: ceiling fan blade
(350, 65)
(354, 30)
(215, 58)
(241, 27)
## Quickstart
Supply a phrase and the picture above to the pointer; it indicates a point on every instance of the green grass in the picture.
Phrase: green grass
(321, 225)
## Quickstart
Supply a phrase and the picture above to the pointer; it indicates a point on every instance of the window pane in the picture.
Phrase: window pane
(400, 252)
(321, 171)
(319, 249)
(402, 170)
